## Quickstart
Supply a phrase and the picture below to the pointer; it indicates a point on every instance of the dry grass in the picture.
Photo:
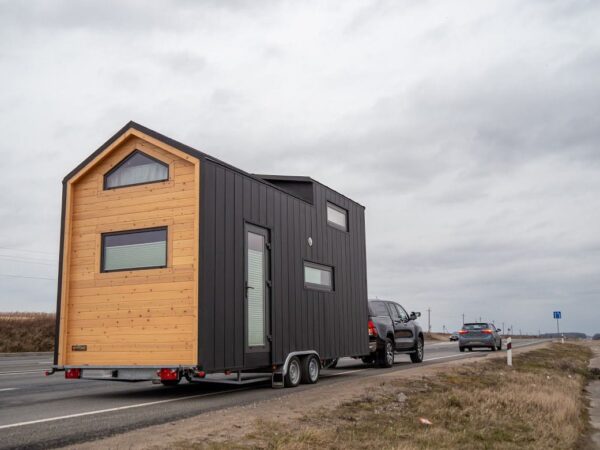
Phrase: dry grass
(538, 404)
(26, 332)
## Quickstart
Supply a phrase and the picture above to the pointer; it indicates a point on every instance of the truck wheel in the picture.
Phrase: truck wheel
(462, 349)
(500, 345)
(292, 377)
(386, 354)
(493, 347)
(310, 369)
(417, 356)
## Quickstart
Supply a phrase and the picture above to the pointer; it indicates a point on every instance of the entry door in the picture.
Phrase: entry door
(257, 297)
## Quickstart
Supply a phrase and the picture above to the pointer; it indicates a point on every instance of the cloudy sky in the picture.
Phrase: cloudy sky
(470, 130)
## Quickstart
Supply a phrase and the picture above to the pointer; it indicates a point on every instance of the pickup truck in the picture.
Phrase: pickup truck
(392, 330)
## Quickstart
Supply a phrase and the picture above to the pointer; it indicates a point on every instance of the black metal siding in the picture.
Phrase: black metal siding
(332, 323)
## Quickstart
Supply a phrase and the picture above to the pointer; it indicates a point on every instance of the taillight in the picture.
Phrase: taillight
(487, 331)
(372, 329)
(73, 374)
(463, 332)
(168, 374)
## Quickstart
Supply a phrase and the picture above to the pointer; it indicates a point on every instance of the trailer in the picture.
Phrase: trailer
(174, 264)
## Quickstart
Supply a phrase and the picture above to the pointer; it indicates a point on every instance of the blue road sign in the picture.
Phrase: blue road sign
(557, 315)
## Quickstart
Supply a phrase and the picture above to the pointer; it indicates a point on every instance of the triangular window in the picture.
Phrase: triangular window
(137, 168)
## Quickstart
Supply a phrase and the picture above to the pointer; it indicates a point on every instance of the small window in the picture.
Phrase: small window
(318, 277)
(137, 168)
(139, 249)
(337, 217)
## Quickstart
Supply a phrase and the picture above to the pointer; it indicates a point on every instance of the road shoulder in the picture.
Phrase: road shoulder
(234, 423)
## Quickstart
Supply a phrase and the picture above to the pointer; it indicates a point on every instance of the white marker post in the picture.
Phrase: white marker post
(509, 351)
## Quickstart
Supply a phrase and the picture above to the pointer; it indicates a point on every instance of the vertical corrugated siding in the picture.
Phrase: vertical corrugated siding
(332, 323)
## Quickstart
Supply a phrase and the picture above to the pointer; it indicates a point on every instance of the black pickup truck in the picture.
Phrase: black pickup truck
(391, 331)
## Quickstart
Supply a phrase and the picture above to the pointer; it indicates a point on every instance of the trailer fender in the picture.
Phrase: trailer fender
(300, 353)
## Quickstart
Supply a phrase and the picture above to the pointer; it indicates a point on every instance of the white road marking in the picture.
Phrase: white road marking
(119, 408)
(8, 389)
(21, 373)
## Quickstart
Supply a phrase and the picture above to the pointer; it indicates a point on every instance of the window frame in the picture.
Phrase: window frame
(314, 286)
(138, 230)
(127, 158)
(339, 209)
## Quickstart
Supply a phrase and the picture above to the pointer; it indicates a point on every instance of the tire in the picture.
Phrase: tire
(385, 358)
(500, 345)
(493, 347)
(417, 356)
(470, 349)
(310, 369)
(462, 349)
(293, 374)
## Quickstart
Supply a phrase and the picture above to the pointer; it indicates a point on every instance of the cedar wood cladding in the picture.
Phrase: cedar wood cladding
(332, 323)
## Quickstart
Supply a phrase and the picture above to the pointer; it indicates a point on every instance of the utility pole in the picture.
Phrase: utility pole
(463, 318)
(503, 329)
(480, 318)
(429, 320)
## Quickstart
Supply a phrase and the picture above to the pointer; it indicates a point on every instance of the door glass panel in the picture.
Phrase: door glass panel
(256, 290)
(393, 312)
(402, 313)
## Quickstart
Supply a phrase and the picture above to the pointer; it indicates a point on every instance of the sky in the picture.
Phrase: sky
(470, 131)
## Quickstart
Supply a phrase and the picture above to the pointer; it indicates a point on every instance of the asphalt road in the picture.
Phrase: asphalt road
(46, 412)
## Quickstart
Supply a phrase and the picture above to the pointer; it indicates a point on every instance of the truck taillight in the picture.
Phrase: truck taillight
(487, 331)
(463, 332)
(372, 329)
(168, 374)
(73, 374)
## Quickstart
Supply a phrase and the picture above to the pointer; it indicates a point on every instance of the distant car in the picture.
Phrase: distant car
(392, 330)
(454, 336)
(596, 337)
(477, 335)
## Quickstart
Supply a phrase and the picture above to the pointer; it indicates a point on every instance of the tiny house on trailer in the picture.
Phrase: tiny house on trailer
(174, 264)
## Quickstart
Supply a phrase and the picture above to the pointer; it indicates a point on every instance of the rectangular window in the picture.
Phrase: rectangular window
(318, 277)
(337, 217)
(139, 249)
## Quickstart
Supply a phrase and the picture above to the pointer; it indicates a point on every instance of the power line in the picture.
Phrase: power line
(29, 261)
(28, 251)
(23, 276)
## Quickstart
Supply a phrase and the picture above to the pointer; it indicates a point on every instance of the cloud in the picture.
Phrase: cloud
(468, 130)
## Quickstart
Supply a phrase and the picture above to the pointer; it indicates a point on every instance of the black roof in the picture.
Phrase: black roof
(196, 154)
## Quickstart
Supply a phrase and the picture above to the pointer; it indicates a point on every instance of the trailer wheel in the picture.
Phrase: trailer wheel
(292, 377)
(310, 369)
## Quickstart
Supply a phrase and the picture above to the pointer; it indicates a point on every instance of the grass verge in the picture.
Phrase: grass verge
(538, 404)
(26, 332)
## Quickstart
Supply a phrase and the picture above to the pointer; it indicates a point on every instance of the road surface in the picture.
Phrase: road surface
(46, 412)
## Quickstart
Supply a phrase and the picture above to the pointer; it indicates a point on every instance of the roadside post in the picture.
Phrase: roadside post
(558, 315)
(509, 351)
